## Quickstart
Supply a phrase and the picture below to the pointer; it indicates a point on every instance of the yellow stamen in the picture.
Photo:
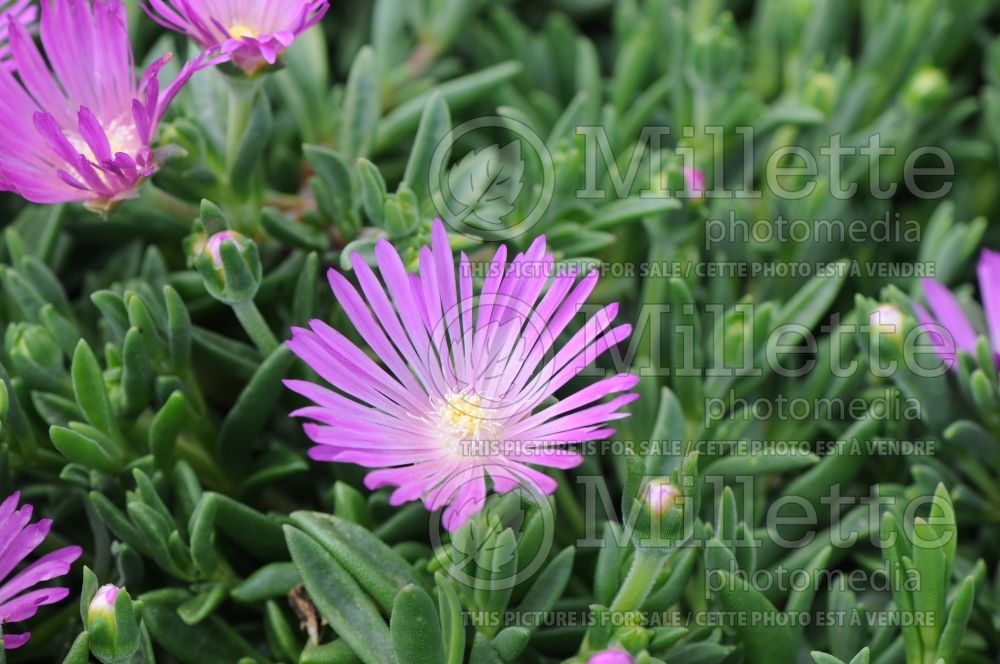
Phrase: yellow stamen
(464, 417)
(241, 30)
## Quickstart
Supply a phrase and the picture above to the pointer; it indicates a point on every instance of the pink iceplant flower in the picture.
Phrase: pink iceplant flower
(81, 131)
(465, 389)
(18, 538)
(22, 12)
(951, 330)
(253, 32)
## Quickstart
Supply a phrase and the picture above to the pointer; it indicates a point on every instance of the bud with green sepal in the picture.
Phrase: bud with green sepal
(230, 268)
(229, 264)
(35, 355)
(111, 619)
(664, 512)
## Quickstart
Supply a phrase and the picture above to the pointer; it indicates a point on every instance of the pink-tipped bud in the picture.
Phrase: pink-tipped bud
(661, 496)
(694, 182)
(886, 319)
(103, 602)
(113, 625)
(214, 245)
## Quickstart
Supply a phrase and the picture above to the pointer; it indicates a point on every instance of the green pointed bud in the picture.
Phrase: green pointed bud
(927, 90)
(229, 264)
(113, 625)
(36, 356)
(33, 343)
(820, 92)
(633, 638)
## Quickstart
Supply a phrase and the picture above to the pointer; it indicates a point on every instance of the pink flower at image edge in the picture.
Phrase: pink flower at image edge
(83, 130)
(18, 538)
(253, 33)
(611, 656)
(950, 329)
(22, 12)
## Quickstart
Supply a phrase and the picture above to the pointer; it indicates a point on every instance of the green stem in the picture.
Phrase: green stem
(242, 93)
(646, 564)
(180, 210)
(255, 326)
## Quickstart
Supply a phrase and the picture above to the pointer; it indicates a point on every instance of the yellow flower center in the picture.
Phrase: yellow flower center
(241, 30)
(464, 418)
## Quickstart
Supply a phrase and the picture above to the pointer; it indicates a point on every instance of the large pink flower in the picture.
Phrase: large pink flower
(82, 131)
(253, 32)
(18, 538)
(22, 12)
(465, 391)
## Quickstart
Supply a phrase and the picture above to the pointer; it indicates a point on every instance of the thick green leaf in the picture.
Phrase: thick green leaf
(372, 563)
(88, 386)
(766, 640)
(415, 629)
(342, 602)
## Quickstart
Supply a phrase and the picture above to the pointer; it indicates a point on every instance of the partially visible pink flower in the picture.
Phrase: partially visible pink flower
(694, 182)
(253, 32)
(464, 391)
(22, 12)
(611, 656)
(82, 131)
(18, 538)
(949, 328)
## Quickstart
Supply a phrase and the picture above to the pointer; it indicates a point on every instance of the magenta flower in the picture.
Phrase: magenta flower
(81, 132)
(18, 538)
(950, 329)
(611, 656)
(22, 12)
(253, 32)
(464, 391)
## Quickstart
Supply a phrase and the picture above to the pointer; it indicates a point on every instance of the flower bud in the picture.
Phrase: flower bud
(36, 356)
(886, 319)
(632, 638)
(661, 496)
(230, 266)
(694, 182)
(112, 625)
(716, 55)
(611, 656)
(214, 245)
(102, 606)
(927, 90)
(34, 343)
(820, 92)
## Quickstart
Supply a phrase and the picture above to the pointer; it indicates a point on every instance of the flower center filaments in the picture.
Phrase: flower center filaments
(122, 137)
(241, 30)
(462, 419)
